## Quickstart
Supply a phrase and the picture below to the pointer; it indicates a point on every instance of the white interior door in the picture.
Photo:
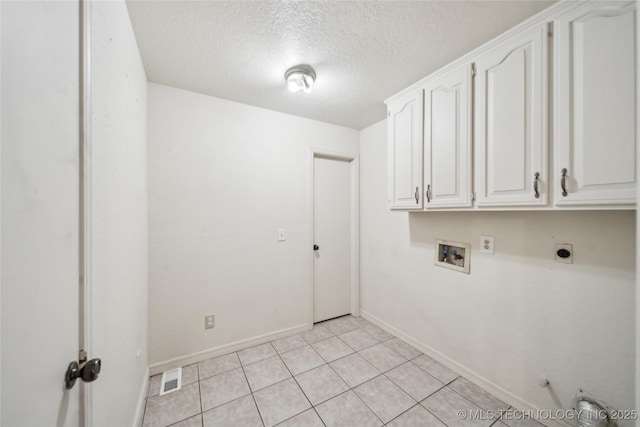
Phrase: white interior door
(332, 235)
(40, 212)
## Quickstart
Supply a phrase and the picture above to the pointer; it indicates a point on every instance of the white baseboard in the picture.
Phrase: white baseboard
(472, 376)
(190, 359)
(142, 400)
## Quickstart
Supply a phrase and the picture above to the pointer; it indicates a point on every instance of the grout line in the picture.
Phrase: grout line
(301, 389)
(200, 392)
(365, 403)
(404, 412)
(436, 417)
(218, 373)
(319, 417)
(251, 393)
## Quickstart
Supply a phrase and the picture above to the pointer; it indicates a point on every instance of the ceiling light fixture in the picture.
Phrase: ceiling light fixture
(300, 77)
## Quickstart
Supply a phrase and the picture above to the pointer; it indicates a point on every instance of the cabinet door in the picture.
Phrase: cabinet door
(594, 91)
(447, 140)
(404, 139)
(511, 140)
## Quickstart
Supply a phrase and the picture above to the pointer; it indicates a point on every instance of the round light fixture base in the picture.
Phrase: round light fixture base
(300, 78)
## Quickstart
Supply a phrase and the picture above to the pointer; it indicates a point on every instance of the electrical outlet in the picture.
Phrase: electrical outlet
(281, 237)
(486, 244)
(564, 253)
(210, 321)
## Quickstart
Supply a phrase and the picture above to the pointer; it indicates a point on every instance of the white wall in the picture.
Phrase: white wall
(518, 316)
(118, 217)
(223, 177)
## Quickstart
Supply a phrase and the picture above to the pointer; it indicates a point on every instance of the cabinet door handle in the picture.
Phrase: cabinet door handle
(536, 178)
(428, 193)
(563, 182)
(417, 195)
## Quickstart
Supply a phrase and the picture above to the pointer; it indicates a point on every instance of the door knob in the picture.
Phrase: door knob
(87, 372)
(316, 247)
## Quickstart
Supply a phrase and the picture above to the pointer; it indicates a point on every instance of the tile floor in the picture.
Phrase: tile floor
(344, 372)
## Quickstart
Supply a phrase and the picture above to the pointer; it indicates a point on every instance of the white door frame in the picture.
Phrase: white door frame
(354, 163)
(86, 170)
(0, 217)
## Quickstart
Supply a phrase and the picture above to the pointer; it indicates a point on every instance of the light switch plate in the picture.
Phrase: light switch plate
(281, 237)
(486, 244)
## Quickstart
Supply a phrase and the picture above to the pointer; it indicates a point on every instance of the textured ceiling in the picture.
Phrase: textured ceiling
(362, 51)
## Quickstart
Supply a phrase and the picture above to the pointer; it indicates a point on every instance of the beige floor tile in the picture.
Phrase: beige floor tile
(240, 412)
(358, 339)
(321, 384)
(308, 418)
(189, 422)
(332, 349)
(266, 372)
(382, 357)
(354, 369)
(318, 333)
(376, 332)
(223, 388)
(514, 418)
(218, 365)
(480, 397)
(435, 369)
(179, 405)
(289, 343)
(402, 348)
(254, 354)
(413, 380)
(448, 405)
(384, 398)
(340, 325)
(280, 402)
(302, 359)
(347, 410)
(416, 417)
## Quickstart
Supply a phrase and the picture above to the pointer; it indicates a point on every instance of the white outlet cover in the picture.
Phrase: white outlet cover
(487, 244)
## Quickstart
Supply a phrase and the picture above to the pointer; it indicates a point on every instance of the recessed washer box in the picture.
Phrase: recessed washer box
(453, 255)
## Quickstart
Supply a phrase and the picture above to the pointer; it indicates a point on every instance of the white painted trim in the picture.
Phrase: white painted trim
(474, 377)
(192, 358)
(85, 247)
(637, 398)
(355, 236)
(142, 401)
(0, 210)
(544, 16)
(354, 162)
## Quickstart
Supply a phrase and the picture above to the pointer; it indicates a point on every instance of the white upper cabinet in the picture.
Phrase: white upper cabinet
(447, 140)
(404, 139)
(511, 122)
(486, 141)
(594, 93)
